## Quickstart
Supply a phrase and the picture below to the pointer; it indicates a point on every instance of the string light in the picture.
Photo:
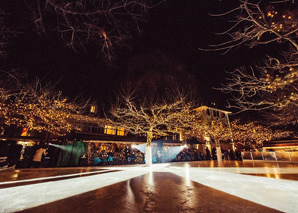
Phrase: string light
(43, 109)
(250, 132)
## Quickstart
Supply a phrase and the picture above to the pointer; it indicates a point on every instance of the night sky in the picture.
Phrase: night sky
(174, 32)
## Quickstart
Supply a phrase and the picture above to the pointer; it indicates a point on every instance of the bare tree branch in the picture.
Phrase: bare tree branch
(42, 108)
(154, 119)
(83, 23)
(260, 23)
(273, 86)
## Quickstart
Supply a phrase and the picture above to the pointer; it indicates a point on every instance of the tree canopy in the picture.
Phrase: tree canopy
(270, 86)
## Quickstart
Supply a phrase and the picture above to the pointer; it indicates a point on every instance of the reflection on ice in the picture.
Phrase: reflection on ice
(129, 198)
(187, 179)
(278, 194)
(23, 197)
(150, 180)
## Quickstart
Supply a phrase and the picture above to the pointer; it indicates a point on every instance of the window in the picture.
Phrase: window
(95, 129)
(93, 109)
(110, 130)
(208, 112)
(113, 131)
(120, 131)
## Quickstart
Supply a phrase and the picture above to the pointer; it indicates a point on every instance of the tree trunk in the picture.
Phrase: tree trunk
(218, 152)
(148, 150)
(149, 138)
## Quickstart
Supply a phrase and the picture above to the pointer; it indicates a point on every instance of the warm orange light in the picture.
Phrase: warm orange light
(110, 130)
(120, 131)
(92, 110)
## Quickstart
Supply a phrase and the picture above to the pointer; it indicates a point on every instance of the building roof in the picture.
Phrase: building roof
(201, 108)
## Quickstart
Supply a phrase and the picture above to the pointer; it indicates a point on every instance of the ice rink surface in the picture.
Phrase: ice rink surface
(200, 186)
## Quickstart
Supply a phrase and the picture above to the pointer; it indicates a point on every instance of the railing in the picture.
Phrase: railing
(270, 156)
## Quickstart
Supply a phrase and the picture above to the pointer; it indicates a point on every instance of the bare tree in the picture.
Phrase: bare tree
(252, 133)
(261, 22)
(42, 108)
(152, 119)
(9, 87)
(105, 23)
(273, 85)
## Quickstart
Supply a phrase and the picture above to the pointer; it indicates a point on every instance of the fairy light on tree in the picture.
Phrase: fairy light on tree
(256, 133)
(273, 85)
(43, 109)
(141, 116)
(252, 133)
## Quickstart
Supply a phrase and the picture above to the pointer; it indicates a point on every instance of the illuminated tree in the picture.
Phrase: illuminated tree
(9, 87)
(42, 109)
(255, 133)
(107, 24)
(273, 85)
(219, 132)
(154, 118)
(252, 132)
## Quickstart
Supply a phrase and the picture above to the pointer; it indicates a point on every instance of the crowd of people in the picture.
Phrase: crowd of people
(118, 156)
(129, 155)
(109, 154)
(11, 151)
(192, 154)
(16, 156)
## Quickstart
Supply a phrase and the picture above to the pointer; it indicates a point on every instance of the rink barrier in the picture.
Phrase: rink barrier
(271, 156)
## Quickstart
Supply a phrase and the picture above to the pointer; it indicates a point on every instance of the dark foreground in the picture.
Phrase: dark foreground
(176, 187)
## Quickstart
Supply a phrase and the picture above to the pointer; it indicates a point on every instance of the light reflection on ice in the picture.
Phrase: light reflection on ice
(187, 179)
(48, 178)
(23, 197)
(275, 193)
(151, 181)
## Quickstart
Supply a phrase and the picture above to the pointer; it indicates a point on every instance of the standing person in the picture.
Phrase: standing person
(14, 153)
(231, 155)
(226, 154)
(213, 152)
(36, 162)
(96, 158)
(110, 157)
(133, 157)
(208, 156)
(158, 157)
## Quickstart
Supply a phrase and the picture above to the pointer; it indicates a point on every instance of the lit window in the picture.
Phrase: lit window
(93, 109)
(120, 131)
(110, 130)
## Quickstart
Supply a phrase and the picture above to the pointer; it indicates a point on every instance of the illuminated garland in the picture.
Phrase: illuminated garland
(43, 109)
(250, 132)
(154, 119)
